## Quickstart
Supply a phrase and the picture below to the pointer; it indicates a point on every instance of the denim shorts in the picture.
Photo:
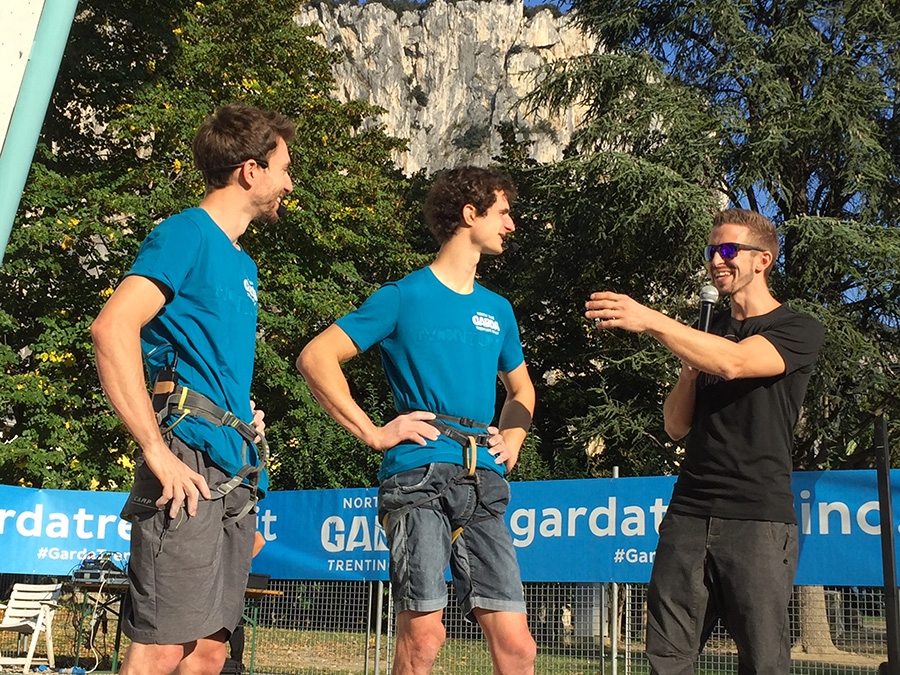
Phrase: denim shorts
(482, 559)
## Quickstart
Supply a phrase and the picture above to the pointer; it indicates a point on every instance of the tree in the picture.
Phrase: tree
(136, 81)
(787, 108)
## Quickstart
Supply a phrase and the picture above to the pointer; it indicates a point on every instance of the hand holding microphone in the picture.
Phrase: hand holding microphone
(709, 295)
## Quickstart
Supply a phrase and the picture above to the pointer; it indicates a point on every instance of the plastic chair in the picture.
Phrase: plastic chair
(29, 612)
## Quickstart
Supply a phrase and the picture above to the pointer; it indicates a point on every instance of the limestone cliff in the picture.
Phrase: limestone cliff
(448, 73)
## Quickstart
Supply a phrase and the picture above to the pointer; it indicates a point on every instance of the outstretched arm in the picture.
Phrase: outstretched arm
(753, 356)
(515, 417)
(320, 363)
(117, 344)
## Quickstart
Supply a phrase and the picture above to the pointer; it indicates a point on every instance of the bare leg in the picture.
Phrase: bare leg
(512, 648)
(419, 637)
(203, 657)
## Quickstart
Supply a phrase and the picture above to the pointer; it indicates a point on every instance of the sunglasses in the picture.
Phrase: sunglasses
(727, 251)
(261, 163)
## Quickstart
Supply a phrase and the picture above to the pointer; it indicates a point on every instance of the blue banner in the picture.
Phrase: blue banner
(594, 530)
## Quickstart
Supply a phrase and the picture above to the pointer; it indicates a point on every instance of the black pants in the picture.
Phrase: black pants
(740, 571)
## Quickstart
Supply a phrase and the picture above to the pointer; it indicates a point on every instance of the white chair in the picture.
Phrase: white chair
(29, 612)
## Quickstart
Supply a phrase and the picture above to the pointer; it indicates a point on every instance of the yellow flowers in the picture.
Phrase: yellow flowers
(94, 484)
(106, 292)
(66, 242)
(176, 165)
(66, 358)
(177, 31)
(125, 462)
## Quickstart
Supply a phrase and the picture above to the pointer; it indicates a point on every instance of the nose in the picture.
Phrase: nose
(510, 224)
(289, 182)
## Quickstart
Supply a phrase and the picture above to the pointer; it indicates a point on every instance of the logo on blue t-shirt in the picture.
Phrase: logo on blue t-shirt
(251, 290)
(486, 323)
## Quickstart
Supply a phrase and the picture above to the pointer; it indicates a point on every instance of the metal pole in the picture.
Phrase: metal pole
(31, 107)
(368, 631)
(888, 551)
(627, 593)
(614, 615)
(603, 602)
(379, 604)
(390, 631)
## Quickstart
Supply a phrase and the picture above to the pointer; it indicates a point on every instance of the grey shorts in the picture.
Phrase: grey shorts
(482, 559)
(187, 575)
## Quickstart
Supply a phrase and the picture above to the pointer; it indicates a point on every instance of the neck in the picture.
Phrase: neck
(455, 266)
(750, 302)
(228, 212)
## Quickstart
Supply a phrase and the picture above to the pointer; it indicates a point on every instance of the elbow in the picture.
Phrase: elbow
(308, 359)
(731, 372)
(303, 361)
(676, 431)
(99, 330)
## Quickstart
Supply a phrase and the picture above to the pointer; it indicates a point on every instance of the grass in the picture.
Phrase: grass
(320, 652)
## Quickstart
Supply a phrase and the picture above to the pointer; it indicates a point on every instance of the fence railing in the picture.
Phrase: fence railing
(332, 627)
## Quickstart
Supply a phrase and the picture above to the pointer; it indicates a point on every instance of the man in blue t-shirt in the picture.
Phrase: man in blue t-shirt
(728, 545)
(444, 339)
(188, 307)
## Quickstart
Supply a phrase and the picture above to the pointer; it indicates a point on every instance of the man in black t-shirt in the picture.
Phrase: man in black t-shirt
(728, 544)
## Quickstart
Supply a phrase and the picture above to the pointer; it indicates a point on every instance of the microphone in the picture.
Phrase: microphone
(512, 247)
(709, 295)
(282, 211)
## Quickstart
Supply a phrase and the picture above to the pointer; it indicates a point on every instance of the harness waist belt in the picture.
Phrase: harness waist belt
(183, 401)
(478, 433)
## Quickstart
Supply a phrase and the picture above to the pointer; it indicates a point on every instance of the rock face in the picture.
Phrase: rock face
(447, 74)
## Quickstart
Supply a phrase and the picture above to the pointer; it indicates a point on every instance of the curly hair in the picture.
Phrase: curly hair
(454, 189)
(234, 134)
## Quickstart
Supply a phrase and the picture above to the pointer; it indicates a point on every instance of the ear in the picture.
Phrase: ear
(247, 172)
(469, 214)
(764, 259)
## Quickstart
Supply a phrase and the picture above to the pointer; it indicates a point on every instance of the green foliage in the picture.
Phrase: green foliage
(787, 108)
(115, 159)
(608, 221)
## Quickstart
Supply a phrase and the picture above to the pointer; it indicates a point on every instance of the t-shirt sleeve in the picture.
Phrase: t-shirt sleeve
(375, 319)
(798, 340)
(169, 253)
(511, 356)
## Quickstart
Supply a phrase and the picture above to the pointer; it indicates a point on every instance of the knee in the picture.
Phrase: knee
(424, 644)
(208, 658)
(521, 649)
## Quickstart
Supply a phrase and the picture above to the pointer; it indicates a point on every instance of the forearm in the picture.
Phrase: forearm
(121, 373)
(678, 410)
(515, 420)
(705, 352)
(329, 386)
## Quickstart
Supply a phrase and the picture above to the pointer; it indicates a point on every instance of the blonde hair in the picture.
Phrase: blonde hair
(762, 231)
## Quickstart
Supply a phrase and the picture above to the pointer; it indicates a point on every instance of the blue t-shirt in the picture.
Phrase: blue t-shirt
(441, 352)
(210, 322)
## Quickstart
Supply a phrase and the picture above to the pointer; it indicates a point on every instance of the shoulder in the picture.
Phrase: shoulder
(790, 330)
(788, 317)
(182, 229)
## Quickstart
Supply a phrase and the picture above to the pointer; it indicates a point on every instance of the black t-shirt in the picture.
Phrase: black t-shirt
(738, 457)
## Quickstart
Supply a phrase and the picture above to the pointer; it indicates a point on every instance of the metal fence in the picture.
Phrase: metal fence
(334, 628)
(835, 630)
